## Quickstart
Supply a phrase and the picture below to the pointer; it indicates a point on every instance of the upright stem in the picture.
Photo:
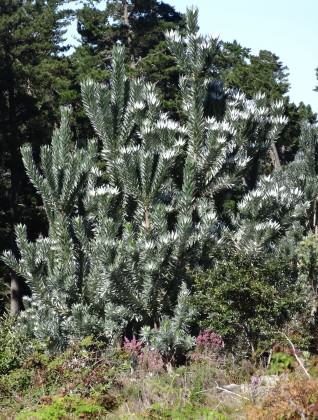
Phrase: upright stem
(275, 156)
(315, 225)
(16, 290)
(125, 14)
(16, 286)
(127, 24)
(147, 221)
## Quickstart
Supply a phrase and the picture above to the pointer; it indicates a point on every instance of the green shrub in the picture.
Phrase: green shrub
(16, 381)
(9, 355)
(10, 346)
(16, 348)
(280, 363)
(246, 301)
(308, 264)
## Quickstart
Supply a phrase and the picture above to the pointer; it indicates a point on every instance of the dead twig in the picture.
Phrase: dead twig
(296, 357)
(231, 392)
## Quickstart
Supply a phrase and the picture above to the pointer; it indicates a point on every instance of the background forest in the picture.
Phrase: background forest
(158, 211)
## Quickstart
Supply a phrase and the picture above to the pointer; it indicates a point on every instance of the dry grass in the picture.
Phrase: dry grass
(294, 398)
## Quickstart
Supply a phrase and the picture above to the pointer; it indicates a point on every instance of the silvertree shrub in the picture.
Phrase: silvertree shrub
(133, 212)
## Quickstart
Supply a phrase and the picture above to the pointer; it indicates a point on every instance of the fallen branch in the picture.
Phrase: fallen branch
(296, 357)
(231, 392)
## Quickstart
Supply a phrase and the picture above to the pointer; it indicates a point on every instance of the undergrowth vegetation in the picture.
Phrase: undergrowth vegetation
(92, 380)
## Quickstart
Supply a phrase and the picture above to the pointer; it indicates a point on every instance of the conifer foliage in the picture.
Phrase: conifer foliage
(123, 235)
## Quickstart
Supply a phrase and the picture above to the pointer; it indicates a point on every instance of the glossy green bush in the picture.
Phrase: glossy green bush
(247, 301)
(280, 363)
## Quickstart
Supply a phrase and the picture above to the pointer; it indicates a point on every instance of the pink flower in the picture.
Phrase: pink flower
(209, 340)
(133, 346)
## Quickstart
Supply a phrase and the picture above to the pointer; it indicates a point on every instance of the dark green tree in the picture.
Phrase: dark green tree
(253, 73)
(139, 25)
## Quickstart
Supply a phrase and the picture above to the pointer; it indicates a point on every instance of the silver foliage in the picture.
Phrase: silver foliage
(118, 250)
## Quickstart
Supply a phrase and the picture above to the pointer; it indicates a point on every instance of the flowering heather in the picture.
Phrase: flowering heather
(132, 346)
(146, 358)
(151, 360)
(209, 340)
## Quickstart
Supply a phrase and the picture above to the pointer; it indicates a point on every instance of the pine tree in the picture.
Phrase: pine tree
(139, 26)
(123, 238)
(253, 73)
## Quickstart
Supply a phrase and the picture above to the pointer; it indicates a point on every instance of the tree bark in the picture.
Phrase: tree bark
(125, 13)
(275, 156)
(16, 290)
(315, 224)
(129, 31)
(14, 165)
